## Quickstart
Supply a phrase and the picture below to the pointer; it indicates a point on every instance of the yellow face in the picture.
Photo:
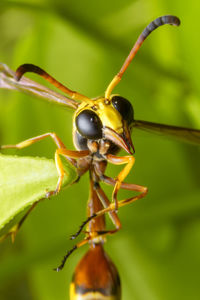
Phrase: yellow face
(104, 118)
(106, 112)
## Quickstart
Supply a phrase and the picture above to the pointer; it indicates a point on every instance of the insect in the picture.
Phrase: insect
(101, 127)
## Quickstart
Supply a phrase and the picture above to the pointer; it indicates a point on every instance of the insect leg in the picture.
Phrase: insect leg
(129, 161)
(117, 183)
(85, 241)
(69, 154)
(81, 243)
(14, 230)
(112, 214)
(132, 187)
(110, 207)
(35, 139)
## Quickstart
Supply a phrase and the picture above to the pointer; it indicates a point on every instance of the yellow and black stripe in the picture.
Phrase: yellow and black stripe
(95, 277)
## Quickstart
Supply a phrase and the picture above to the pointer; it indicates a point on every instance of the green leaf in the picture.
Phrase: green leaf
(25, 180)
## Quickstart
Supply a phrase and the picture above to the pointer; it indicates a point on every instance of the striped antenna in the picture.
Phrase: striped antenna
(168, 19)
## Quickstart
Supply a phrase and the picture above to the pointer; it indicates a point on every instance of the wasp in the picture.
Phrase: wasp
(101, 128)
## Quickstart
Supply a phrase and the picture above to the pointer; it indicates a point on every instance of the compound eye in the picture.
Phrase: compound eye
(124, 107)
(89, 125)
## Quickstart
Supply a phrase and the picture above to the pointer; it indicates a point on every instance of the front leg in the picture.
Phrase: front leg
(70, 155)
(116, 160)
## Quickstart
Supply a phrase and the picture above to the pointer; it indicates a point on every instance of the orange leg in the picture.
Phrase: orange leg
(110, 207)
(117, 183)
(93, 236)
(69, 154)
(96, 232)
(129, 161)
(85, 241)
(14, 230)
(112, 214)
(96, 236)
(143, 191)
(99, 236)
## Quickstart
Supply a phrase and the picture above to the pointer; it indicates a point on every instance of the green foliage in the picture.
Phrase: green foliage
(25, 180)
(83, 44)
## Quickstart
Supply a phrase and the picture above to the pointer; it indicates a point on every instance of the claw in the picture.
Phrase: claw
(12, 233)
(51, 193)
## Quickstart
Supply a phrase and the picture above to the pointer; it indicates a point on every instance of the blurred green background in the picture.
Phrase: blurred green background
(83, 44)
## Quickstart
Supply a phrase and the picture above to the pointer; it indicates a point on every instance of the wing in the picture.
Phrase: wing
(8, 81)
(183, 134)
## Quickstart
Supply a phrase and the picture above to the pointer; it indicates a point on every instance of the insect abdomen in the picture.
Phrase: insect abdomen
(95, 277)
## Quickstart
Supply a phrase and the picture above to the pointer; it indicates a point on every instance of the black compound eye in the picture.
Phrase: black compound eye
(89, 125)
(124, 107)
